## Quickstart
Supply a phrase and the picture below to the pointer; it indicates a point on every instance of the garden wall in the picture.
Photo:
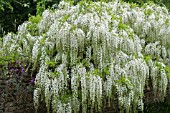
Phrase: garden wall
(15, 96)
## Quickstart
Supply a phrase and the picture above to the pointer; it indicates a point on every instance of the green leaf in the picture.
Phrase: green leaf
(147, 58)
(35, 19)
(2, 8)
(168, 75)
(85, 63)
(65, 18)
(51, 63)
(122, 26)
(148, 12)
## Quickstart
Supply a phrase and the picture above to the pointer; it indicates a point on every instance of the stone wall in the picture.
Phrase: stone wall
(15, 98)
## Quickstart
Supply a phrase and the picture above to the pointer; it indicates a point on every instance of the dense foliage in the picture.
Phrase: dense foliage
(84, 54)
(15, 12)
(160, 2)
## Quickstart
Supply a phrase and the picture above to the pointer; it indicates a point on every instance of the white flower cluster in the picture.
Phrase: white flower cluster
(159, 79)
(36, 98)
(88, 51)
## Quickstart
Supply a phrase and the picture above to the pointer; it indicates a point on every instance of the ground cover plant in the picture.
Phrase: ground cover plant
(83, 55)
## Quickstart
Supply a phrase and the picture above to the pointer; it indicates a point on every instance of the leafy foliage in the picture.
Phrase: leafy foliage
(15, 12)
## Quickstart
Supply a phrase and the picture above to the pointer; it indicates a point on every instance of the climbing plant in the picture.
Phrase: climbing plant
(86, 53)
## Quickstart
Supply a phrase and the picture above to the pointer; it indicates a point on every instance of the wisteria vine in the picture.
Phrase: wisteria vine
(93, 51)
